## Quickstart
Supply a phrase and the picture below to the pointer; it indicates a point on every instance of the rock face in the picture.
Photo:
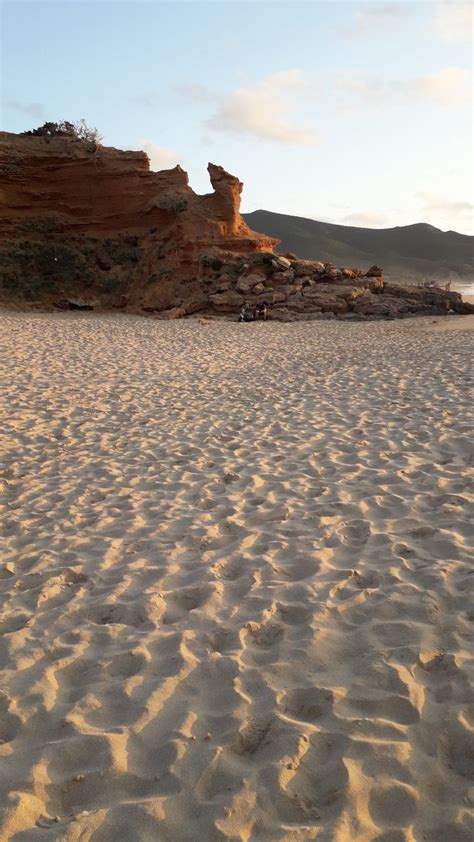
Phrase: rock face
(85, 227)
(76, 218)
(312, 290)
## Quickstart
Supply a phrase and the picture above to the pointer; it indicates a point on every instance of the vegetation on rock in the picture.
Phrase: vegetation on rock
(79, 130)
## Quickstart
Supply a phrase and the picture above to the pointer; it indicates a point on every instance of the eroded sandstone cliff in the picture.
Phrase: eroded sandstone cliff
(85, 220)
(88, 226)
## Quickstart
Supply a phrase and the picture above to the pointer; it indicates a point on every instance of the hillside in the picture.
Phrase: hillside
(406, 252)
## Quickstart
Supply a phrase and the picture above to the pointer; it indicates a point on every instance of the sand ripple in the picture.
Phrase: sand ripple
(235, 590)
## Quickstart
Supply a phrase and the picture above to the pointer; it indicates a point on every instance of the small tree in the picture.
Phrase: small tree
(85, 132)
(77, 131)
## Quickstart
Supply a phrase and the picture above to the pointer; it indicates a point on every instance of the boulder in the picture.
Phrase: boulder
(277, 297)
(229, 300)
(345, 292)
(284, 262)
(287, 290)
(334, 274)
(377, 285)
(282, 277)
(246, 282)
(374, 272)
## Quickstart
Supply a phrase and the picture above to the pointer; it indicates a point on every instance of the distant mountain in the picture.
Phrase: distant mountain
(406, 252)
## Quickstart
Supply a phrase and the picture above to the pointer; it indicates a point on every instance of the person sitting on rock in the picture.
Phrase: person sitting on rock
(262, 311)
(246, 314)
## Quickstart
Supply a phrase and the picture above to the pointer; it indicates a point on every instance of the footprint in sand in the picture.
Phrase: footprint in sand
(125, 664)
(307, 703)
(9, 723)
(117, 613)
(423, 532)
(182, 601)
(9, 625)
(253, 735)
(366, 581)
(320, 779)
(438, 664)
(265, 634)
(303, 568)
(224, 640)
(355, 532)
(456, 749)
(393, 805)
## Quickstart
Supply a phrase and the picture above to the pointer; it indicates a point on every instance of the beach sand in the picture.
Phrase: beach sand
(236, 598)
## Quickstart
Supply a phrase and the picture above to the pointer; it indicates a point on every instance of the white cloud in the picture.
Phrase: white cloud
(452, 86)
(160, 157)
(449, 87)
(439, 206)
(454, 21)
(367, 219)
(439, 202)
(32, 109)
(261, 110)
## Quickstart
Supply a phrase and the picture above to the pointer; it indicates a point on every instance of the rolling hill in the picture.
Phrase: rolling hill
(409, 252)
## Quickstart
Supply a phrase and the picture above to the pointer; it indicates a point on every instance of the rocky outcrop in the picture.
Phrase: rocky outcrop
(81, 220)
(313, 290)
(85, 227)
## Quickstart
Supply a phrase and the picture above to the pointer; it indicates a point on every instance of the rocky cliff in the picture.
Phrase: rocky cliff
(82, 220)
(86, 226)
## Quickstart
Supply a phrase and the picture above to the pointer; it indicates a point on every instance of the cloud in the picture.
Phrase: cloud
(449, 87)
(453, 21)
(32, 109)
(366, 219)
(376, 16)
(160, 157)
(260, 110)
(438, 202)
(460, 213)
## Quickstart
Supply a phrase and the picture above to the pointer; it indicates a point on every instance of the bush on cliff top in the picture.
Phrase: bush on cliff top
(78, 131)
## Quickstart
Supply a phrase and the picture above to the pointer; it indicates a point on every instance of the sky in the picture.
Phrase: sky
(352, 112)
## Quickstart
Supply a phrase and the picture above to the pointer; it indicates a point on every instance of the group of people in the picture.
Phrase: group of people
(253, 314)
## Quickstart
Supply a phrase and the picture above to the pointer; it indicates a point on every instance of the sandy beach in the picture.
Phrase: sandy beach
(236, 580)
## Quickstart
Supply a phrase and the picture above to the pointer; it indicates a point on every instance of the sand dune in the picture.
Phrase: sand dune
(235, 583)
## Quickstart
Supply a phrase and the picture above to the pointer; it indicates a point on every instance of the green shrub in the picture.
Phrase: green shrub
(263, 258)
(31, 268)
(79, 130)
(121, 250)
(214, 263)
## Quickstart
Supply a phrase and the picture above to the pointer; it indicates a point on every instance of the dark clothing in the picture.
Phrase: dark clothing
(246, 314)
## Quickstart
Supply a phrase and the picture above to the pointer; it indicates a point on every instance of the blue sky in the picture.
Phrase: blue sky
(352, 112)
